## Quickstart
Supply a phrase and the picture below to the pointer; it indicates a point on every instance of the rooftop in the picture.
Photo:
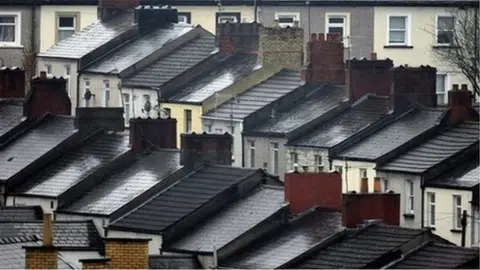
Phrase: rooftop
(182, 198)
(33, 144)
(309, 108)
(11, 115)
(122, 187)
(75, 165)
(345, 125)
(174, 64)
(466, 176)
(437, 256)
(135, 50)
(90, 38)
(401, 131)
(443, 146)
(173, 262)
(233, 221)
(20, 213)
(227, 72)
(292, 241)
(258, 96)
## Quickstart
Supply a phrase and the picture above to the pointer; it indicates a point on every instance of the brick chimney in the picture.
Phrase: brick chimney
(358, 207)
(47, 95)
(145, 132)
(198, 149)
(307, 190)
(368, 76)
(127, 253)
(324, 59)
(460, 104)
(154, 17)
(238, 38)
(96, 263)
(12, 83)
(281, 47)
(88, 119)
(109, 8)
(45, 256)
(414, 86)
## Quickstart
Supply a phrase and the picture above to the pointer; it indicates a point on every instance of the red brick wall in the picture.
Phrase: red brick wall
(414, 85)
(12, 83)
(368, 76)
(460, 103)
(238, 37)
(48, 95)
(201, 148)
(162, 133)
(358, 207)
(306, 190)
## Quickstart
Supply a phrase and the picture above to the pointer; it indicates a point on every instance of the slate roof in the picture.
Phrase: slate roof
(173, 262)
(90, 38)
(227, 72)
(233, 221)
(66, 234)
(11, 115)
(346, 124)
(446, 144)
(174, 64)
(75, 165)
(394, 135)
(182, 198)
(20, 213)
(437, 256)
(34, 144)
(309, 108)
(258, 96)
(294, 240)
(124, 186)
(359, 250)
(464, 176)
(135, 50)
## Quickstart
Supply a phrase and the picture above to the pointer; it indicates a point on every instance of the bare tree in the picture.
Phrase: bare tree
(458, 40)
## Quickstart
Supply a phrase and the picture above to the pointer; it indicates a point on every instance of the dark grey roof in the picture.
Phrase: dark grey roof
(358, 251)
(90, 38)
(66, 234)
(226, 73)
(233, 221)
(258, 96)
(294, 240)
(11, 115)
(175, 63)
(173, 262)
(466, 176)
(130, 53)
(34, 144)
(346, 124)
(182, 198)
(312, 106)
(449, 142)
(124, 186)
(438, 256)
(394, 135)
(20, 213)
(75, 165)
(12, 253)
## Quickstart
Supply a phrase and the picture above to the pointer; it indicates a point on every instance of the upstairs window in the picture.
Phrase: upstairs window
(126, 104)
(336, 25)
(287, 19)
(66, 27)
(294, 159)
(319, 163)
(409, 198)
(10, 29)
(67, 77)
(274, 158)
(106, 93)
(431, 209)
(441, 89)
(231, 17)
(398, 30)
(445, 30)
(184, 17)
(251, 155)
(457, 212)
(188, 120)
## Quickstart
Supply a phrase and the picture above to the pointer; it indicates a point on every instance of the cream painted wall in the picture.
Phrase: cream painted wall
(87, 15)
(444, 213)
(178, 111)
(96, 87)
(353, 174)
(154, 244)
(137, 103)
(206, 15)
(45, 203)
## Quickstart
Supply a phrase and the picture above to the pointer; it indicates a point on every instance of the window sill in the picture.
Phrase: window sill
(430, 228)
(456, 231)
(10, 46)
(398, 47)
(409, 216)
(446, 46)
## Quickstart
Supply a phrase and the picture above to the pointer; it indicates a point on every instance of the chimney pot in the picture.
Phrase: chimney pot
(377, 184)
(43, 75)
(364, 185)
(373, 56)
(47, 230)
(455, 87)
(464, 87)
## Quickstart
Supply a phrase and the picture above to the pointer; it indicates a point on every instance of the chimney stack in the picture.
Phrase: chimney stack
(107, 9)
(153, 17)
(159, 132)
(281, 47)
(306, 190)
(198, 149)
(126, 253)
(460, 105)
(238, 38)
(12, 83)
(89, 119)
(45, 256)
(377, 184)
(324, 59)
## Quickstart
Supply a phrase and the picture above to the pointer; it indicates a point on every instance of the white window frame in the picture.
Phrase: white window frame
(48, 69)
(127, 101)
(185, 21)
(431, 207)
(457, 212)
(208, 128)
(339, 169)
(274, 158)
(363, 173)
(18, 29)
(73, 28)
(319, 162)
(345, 25)
(445, 90)
(86, 86)
(251, 154)
(294, 159)
(294, 15)
(409, 196)
(188, 121)
(221, 17)
(436, 28)
(106, 102)
(67, 77)
(384, 184)
(408, 29)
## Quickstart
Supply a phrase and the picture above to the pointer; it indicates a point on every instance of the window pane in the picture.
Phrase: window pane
(334, 30)
(126, 98)
(182, 19)
(432, 198)
(445, 23)
(397, 37)
(458, 200)
(432, 214)
(441, 83)
(7, 33)
(444, 37)
(275, 162)
(336, 20)
(66, 22)
(285, 19)
(397, 23)
(7, 19)
(63, 34)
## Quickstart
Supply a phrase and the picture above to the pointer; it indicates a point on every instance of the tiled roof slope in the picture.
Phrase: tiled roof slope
(75, 165)
(233, 221)
(90, 38)
(358, 251)
(34, 144)
(11, 115)
(124, 186)
(464, 176)
(346, 124)
(394, 135)
(294, 240)
(437, 256)
(175, 63)
(258, 96)
(312, 106)
(227, 72)
(173, 262)
(182, 198)
(437, 149)
(20, 213)
(125, 56)
(66, 234)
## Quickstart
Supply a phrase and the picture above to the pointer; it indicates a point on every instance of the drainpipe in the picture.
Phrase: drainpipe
(78, 85)
(422, 188)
